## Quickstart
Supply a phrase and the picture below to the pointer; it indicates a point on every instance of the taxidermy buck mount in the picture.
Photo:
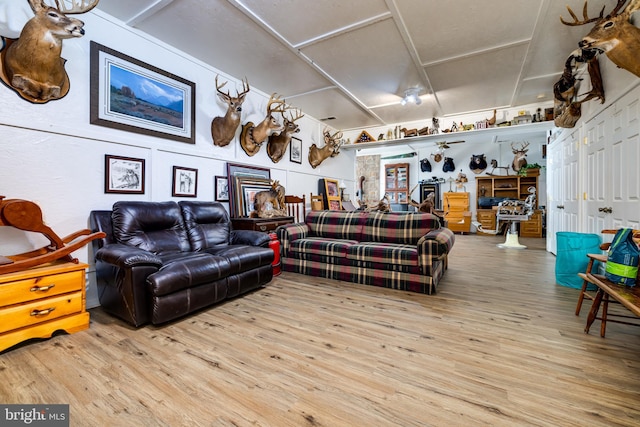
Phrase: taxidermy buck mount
(613, 34)
(223, 129)
(252, 137)
(520, 156)
(31, 64)
(331, 148)
(277, 144)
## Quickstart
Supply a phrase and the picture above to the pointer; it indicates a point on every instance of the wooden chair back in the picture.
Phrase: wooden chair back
(296, 207)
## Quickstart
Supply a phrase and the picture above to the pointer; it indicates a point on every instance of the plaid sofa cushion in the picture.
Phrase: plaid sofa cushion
(336, 224)
(398, 227)
(384, 253)
(305, 248)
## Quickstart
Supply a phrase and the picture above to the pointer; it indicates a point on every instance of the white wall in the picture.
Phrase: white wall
(53, 156)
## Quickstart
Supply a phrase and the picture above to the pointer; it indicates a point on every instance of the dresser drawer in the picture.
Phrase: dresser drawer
(40, 287)
(21, 315)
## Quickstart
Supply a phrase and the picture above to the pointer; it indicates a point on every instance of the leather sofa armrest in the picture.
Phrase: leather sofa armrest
(249, 237)
(125, 256)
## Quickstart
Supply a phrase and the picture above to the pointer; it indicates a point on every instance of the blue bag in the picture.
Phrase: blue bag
(622, 259)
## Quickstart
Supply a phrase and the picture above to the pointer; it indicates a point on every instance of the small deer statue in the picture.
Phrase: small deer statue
(520, 156)
(277, 144)
(223, 129)
(32, 63)
(332, 144)
(613, 34)
(253, 136)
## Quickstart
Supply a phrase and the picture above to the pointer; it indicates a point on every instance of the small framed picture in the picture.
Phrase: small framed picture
(123, 175)
(185, 182)
(222, 189)
(295, 150)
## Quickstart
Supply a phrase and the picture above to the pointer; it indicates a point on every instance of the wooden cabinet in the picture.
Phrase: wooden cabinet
(533, 227)
(491, 189)
(397, 182)
(260, 224)
(35, 303)
(510, 187)
(456, 211)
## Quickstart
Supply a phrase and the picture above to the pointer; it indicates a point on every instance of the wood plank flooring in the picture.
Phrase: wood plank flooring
(498, 345)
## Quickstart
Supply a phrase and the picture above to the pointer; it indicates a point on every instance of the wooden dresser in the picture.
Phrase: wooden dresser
(35, 303)
(456, 211)
(260, 224)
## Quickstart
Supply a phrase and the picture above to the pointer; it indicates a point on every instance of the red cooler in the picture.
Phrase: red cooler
(274, 244)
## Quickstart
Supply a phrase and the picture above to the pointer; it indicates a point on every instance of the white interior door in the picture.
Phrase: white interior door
(571, 182)
(554, 193)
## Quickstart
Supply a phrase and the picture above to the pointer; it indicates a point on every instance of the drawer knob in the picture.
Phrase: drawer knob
(42, 288)
(42, 312)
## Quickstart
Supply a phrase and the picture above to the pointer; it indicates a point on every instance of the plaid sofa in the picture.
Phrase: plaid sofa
(399, 250)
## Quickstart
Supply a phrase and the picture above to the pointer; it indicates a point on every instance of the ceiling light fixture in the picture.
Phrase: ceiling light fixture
(411, 95)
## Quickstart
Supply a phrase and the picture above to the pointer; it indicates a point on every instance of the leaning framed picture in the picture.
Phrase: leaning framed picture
(295, 150)
(332, 192)
(123, 175)
(131, 95)
(185, 182)
(222, 188)
(237, 170)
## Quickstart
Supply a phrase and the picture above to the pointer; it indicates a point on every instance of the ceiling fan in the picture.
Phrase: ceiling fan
(443, 145)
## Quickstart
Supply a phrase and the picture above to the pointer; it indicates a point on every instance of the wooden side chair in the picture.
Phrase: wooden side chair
(296, 207)
(317, 202)
(593, 258)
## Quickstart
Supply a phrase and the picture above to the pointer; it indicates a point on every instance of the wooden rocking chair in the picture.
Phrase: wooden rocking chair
(27, 216)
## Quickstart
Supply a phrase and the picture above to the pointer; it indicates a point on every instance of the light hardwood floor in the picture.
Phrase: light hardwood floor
(499, 345)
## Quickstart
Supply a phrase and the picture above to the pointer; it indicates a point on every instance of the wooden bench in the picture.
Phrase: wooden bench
(627, 296)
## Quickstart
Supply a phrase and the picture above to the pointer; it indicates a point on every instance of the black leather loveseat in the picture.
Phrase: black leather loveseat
(162, 260)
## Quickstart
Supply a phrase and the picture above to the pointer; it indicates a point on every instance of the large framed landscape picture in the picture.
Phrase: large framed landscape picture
(128, 94)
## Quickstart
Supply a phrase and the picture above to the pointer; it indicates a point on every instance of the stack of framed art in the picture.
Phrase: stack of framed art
(331, 191)
(244, 182)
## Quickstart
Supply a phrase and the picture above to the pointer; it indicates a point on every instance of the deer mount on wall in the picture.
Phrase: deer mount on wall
(253, 136)
(278, 143)
(31, 64)
(331, 148)
(615, 36)
(223, 129)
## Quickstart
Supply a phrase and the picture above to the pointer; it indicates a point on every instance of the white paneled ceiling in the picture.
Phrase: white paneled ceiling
(353, 59)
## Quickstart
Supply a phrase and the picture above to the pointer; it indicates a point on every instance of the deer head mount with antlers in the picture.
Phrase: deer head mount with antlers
(223, 129)
(613, 34)
(520, 156)
(277, 144)
(31, 64)
(331, 148)
(253, 136)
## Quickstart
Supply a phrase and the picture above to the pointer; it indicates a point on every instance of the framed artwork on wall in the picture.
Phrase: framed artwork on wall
(185, 182)
(222, 189)
(295, 150)
(128, 94)
(123, 175)
(237, 170)
(332, 190)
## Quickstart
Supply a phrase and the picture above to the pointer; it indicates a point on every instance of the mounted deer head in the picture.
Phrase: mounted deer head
(613, 34)
(520, 159)
(32, 65)
(277, 145)
(252, 137)
(223, 129)
(332, 144)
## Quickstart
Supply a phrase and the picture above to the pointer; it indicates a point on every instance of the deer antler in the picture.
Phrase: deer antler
(77, 7)
(585, 15)
(298, 116)
(280, 105)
